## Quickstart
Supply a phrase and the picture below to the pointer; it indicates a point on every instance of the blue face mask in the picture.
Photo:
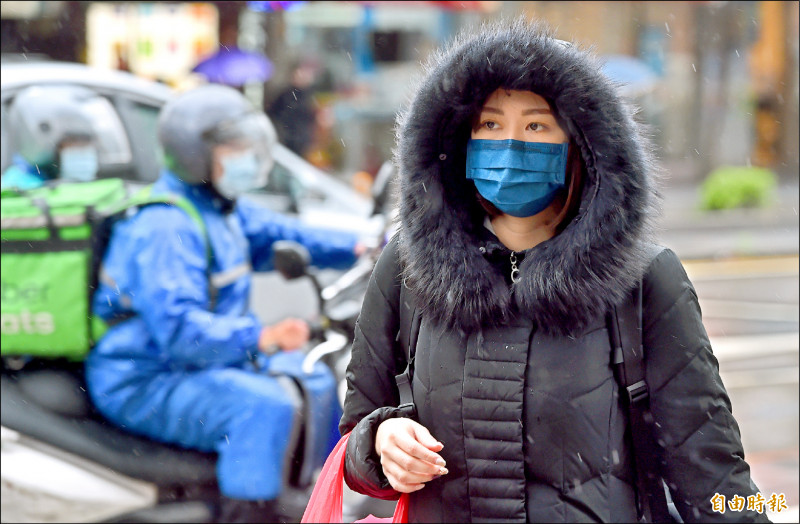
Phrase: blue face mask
(78, 164)
(240, 173)
(520, 178)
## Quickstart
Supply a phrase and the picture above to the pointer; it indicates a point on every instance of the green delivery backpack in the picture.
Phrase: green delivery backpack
(53, 240)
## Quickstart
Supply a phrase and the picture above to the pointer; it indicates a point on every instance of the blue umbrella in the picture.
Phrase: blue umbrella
(235, 67)
(633, 74)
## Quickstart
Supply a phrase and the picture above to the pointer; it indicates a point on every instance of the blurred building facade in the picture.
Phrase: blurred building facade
(726, 89)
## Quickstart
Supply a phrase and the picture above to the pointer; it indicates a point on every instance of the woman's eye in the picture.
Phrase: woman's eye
(489, 124)
(535, 126)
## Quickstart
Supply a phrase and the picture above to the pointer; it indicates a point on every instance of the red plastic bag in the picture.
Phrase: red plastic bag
(326, 500)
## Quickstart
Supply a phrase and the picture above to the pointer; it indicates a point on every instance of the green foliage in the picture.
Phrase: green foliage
(730, 187)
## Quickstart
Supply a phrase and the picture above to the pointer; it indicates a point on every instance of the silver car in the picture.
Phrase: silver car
(125, 118)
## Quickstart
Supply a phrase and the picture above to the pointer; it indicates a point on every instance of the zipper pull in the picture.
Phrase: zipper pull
(514, 269)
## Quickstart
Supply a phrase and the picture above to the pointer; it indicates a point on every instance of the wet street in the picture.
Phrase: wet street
(750, 310)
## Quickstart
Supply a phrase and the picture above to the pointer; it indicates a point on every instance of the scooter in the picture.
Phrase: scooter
(63, 462)
(341, 301)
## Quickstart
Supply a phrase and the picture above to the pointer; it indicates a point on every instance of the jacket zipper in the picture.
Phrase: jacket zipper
(514, 269)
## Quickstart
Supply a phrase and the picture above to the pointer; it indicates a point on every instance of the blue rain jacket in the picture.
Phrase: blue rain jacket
(22, 175)
(179, 372)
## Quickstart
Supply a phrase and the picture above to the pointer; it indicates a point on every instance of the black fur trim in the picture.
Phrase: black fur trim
(568, 280)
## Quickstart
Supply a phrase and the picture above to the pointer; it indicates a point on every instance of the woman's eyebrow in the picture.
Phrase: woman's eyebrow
(525, 112)
(544, 111)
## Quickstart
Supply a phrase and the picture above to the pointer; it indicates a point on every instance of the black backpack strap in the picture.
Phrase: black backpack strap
(625, 329)
(407, 335)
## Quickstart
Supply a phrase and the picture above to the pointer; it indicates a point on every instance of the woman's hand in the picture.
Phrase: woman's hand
(287, 335)
(408, 454)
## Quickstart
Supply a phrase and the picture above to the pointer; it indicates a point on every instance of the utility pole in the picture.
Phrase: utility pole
(789, 159)
(774, 69)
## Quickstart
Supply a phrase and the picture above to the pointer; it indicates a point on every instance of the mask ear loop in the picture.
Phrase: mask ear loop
(572, 201)
(578, 140)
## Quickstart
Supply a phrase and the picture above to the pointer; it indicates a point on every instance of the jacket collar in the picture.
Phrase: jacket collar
(201, 195)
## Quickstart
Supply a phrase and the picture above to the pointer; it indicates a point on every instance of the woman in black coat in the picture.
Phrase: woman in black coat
(527, 199)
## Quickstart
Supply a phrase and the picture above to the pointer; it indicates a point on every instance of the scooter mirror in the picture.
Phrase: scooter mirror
(383, 187)
(290, 259)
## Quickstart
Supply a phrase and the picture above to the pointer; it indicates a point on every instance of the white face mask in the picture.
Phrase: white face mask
(240, 173)
(78, 164)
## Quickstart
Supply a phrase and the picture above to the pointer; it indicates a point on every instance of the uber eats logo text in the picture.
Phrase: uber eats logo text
(22, 309)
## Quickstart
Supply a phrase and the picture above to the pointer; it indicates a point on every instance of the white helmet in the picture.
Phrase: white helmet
(193, 122)
(43, 117)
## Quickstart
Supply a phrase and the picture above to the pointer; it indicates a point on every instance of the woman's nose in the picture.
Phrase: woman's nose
(515, 134)
(515, 131)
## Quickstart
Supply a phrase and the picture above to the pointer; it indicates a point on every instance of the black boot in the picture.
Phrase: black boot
(237, 510)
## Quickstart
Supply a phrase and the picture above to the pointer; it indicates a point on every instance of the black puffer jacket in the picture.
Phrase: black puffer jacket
(515, 380)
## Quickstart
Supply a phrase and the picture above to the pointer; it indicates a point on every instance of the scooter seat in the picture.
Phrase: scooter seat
(53, 408)
(56, 390)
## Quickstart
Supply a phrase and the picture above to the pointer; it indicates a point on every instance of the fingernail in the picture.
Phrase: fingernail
(440, 462)
(443, 471)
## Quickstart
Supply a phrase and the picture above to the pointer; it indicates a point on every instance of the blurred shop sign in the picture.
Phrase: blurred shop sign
(268, 7)
(485, 6)
(477, 6)
(29, 10)
(158, 40)
(327, 14)
(386, 14)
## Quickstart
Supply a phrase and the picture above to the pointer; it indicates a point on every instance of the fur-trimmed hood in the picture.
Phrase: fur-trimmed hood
(567, 281)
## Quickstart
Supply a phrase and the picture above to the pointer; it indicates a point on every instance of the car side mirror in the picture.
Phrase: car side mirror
(383, 186)
(290, 259)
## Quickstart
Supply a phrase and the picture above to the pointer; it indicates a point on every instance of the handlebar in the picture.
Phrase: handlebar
(333, 342)
(361, 268)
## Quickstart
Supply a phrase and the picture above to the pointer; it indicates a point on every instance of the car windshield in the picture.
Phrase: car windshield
(292, 175)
